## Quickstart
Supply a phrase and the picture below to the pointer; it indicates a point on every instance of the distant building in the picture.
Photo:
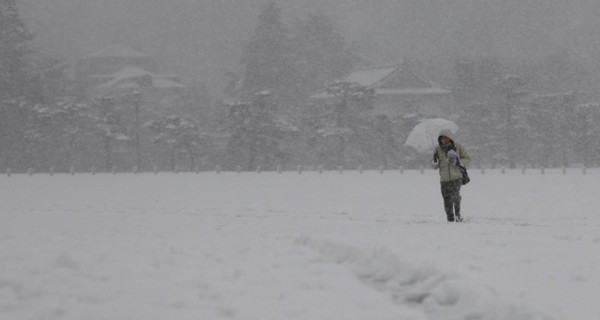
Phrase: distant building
(399, 91)
(109, 60)
(119, 70)
(130, 78)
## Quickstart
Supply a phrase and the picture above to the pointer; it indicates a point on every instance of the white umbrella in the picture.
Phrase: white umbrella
(424, 136)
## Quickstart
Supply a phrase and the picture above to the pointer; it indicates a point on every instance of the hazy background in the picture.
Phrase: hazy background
(203, 39)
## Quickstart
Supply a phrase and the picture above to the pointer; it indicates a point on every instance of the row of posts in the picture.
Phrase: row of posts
(218, 169)
(279, 169)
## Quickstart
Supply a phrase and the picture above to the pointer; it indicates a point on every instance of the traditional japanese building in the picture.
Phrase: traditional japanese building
(90, 69)
(399, 91)
(120, 70)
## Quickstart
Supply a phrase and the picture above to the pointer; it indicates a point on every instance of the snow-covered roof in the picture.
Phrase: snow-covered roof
(370, 77)
(117, 51)
(129, 72)
(385, 79)
(411, 91)
(383, 92)
(126, 78)
(156, 83)
(124, 74)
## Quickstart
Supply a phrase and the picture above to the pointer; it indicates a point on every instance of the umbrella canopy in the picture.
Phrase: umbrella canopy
(424, 136)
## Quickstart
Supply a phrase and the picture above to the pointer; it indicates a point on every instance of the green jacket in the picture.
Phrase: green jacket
(449, 171)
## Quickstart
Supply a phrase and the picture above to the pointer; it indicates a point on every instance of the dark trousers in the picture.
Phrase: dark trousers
(451, 195)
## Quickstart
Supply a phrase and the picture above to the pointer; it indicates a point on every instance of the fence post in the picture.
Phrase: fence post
(401, 170)
(72, 170)
(381, 169)
(93, 170)
(320, 169)
(8, 172)
(340, 169)
(30, 172)
(422, 170)
(218, 169)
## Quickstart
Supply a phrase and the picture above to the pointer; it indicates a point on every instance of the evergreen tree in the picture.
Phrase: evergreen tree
(386, 145)
(54, 135)
(15, 54)
(108, 126)
(29, 88)
(479, 130)
(475, 79)
(586, 130)
(348, 127)
(14, 67)
(510, 119)
(322, 54)
(257, 133)
(181, 136)
(482, 84)
(269, 61)
(14, 117)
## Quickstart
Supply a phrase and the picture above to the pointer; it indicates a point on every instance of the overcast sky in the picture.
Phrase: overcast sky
(202, 39)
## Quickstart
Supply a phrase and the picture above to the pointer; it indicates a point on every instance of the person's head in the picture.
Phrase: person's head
(445, 140)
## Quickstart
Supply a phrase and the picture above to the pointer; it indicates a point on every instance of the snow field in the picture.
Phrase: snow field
(291, 246)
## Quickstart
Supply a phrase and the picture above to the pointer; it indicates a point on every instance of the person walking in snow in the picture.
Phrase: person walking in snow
(448, 156)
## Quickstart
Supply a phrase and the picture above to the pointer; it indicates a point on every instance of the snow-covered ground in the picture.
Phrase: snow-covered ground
(299, 246)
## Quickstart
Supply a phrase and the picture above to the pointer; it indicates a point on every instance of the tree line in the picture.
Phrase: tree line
(46, 122)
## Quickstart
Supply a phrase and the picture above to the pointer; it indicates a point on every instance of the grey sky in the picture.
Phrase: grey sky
(202, 39)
